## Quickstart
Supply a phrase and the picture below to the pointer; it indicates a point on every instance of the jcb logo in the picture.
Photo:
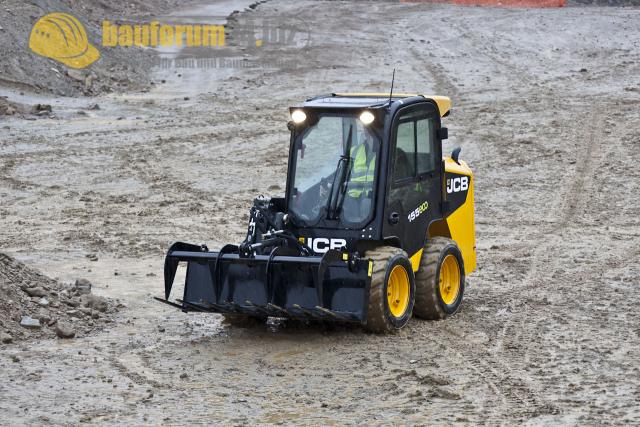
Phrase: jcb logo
(455, 185)
(321, 245)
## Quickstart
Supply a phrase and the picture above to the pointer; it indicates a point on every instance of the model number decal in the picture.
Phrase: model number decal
(417, 211)
(455, 185)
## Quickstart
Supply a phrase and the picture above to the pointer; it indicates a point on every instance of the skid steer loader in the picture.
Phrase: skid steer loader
(375, 225)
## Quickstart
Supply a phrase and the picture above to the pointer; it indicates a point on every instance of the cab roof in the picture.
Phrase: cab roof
(371, 100)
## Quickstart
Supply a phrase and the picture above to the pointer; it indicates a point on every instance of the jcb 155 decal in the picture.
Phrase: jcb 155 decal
(455, 185)
(417, 211)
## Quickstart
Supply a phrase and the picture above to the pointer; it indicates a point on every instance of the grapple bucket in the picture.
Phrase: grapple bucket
(304, 287)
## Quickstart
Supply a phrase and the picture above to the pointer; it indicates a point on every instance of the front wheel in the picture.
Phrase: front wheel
(392, 292)
(440, 280)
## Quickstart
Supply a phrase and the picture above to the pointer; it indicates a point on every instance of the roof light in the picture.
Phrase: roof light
(298, 116)
(366, 117)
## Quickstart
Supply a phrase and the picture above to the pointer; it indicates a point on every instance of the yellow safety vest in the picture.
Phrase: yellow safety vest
(362, 173)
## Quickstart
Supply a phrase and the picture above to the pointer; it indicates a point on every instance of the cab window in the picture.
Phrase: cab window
(405, 152)
(414, 150)
(425, 153)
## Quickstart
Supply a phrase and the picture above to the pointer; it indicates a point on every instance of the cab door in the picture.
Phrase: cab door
(414, 188)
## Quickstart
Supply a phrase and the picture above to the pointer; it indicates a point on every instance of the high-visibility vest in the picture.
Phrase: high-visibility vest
(363, 171)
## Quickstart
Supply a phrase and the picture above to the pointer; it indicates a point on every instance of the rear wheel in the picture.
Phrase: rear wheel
(440, 280)
(392, 293)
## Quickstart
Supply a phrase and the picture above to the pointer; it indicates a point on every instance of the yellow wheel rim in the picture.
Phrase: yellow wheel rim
(449, 279)
(398, 291)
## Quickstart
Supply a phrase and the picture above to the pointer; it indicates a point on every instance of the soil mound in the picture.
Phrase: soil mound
(33, 305)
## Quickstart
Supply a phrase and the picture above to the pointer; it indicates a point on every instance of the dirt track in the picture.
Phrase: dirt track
(550, 328)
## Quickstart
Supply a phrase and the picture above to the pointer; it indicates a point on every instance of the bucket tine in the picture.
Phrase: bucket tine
(304, 311)
(327, 312)
(195, 306)
(277, 309)
(258, 308)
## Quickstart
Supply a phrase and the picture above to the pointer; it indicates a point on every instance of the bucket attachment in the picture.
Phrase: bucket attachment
(330, 287)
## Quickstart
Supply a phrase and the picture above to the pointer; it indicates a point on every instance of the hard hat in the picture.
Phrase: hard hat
(62, 37)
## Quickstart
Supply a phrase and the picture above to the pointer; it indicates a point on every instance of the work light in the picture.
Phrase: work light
(366, 117)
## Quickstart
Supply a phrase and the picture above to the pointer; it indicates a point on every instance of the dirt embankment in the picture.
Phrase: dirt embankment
(35, 306)
(116, 70)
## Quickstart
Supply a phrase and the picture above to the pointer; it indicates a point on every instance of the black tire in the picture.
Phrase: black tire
(429, 301)
(242, 320)
(379, 317)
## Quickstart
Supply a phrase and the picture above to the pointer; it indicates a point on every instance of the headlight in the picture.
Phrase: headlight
(367, 117)
(298, 116)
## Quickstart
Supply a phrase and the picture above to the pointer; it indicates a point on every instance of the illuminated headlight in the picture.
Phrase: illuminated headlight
(366, 117)
(298, 116)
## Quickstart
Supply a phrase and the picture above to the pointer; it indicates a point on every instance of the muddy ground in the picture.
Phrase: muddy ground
(546, 110)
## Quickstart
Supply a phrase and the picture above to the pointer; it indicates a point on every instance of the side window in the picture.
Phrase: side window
(405, 151)
(425, 129)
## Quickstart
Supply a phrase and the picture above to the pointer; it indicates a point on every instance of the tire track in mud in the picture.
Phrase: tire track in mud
(473, 46)
(514, 337)
(484, 371)
(572, 197)
(495, 373)
(503, 365)
(443, 84)
(135, 377)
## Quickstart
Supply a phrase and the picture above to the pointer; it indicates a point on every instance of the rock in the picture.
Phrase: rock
(184, 376)
(92, 257)
(29, 322)
(71, 302)
(64, 330)
(88, 82)
(76, 75)
(93, 107)
(44, 318)
(41, 107)
(43, 302)
(5, 338)
(82, 286)
(95, 302)
(36, 292)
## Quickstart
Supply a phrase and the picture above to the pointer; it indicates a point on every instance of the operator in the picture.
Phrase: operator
(363, 157)
(357, 204)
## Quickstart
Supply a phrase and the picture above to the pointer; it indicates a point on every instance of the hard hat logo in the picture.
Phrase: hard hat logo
(62, 37)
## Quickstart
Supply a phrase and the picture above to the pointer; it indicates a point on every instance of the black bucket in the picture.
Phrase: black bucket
(330, 287)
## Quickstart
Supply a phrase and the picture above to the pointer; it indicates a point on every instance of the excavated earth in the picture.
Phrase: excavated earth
(547, 112)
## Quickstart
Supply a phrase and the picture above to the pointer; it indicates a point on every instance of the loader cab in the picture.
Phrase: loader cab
(364, 168)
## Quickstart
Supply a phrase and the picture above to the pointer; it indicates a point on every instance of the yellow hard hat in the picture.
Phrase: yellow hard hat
(62, 37)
